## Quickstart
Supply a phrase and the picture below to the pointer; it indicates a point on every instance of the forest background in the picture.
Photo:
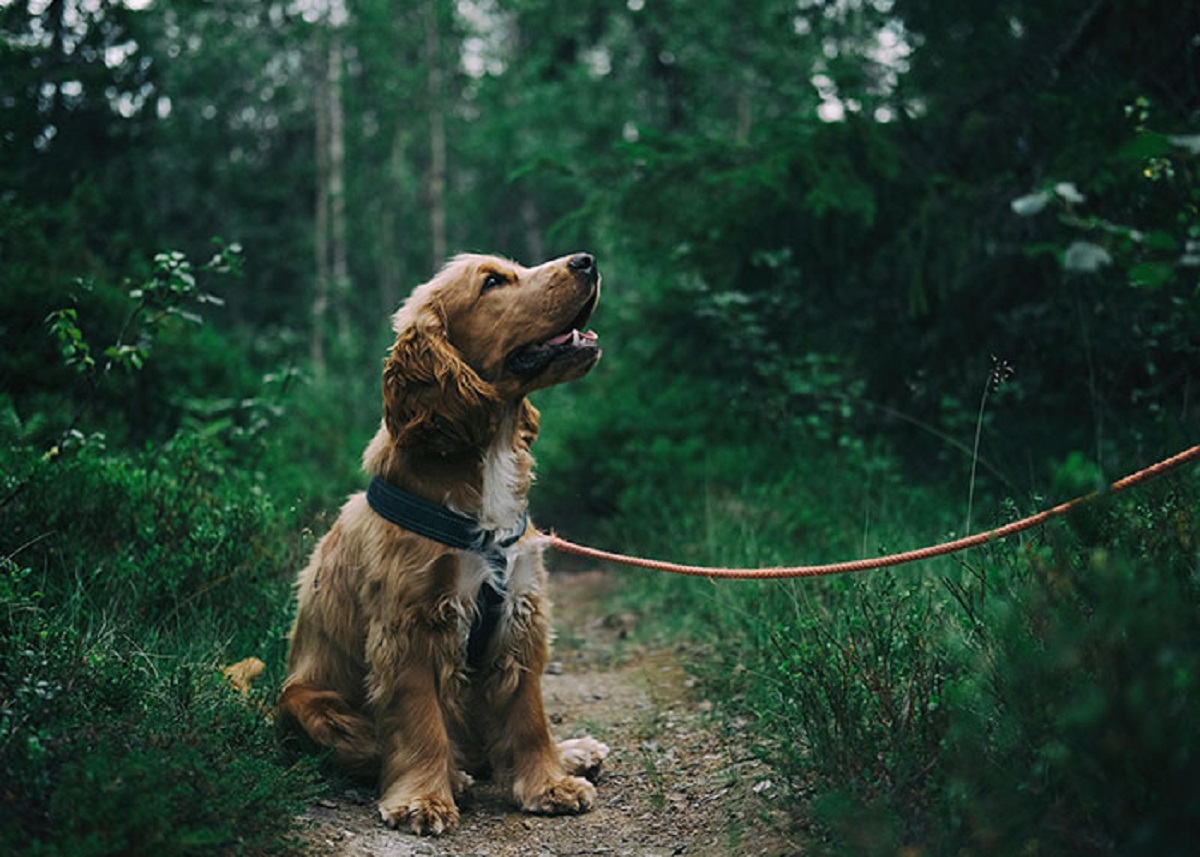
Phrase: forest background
(877, 272)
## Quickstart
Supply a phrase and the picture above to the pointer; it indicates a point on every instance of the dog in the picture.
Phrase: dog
(423, 626)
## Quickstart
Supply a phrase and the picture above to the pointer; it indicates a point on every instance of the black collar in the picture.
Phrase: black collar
(420, 516)
(433, 521)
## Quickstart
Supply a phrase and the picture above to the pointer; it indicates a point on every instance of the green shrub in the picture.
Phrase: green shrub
(129, 574)
(1035, 696)
(1073, 727)
(163, 534)
(140, 574)
(116, 740)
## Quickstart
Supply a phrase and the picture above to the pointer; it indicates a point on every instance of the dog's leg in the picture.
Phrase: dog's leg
(416, 779)
(541, 784)
(520, 734)
(330, 721)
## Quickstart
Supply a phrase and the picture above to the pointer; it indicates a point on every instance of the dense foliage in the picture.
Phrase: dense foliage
(876, 271)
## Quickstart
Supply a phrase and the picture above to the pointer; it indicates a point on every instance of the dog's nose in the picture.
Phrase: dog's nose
(584, 263)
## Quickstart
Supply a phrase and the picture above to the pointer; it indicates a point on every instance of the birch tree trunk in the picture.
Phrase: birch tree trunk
(391, 266)
(320, 307)
(533, 230)
(437, 139)
(332, 281)
(339, 265)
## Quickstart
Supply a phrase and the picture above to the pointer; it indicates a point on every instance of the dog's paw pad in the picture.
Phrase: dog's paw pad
(562, 796)
(424, 816)
(583, 756)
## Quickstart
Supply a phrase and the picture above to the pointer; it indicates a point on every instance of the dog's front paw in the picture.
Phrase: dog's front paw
(583, 756)
(558, 796)
(424, 815)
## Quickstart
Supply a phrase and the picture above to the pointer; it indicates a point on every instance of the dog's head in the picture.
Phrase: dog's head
(482, 333)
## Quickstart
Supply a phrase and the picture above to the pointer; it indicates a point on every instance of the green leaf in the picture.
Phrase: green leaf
(185, 315)
(1085, 257)
(1159, 240)
(1150, 274)
(1146, 145)
(1030, 204)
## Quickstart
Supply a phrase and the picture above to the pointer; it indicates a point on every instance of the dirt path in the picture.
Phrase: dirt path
(675, 782)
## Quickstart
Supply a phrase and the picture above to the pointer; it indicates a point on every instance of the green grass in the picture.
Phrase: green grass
(156, 499)
(1036, 696)
(127, 580)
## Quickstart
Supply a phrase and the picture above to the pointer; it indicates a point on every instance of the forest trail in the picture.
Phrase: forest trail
(675, 783)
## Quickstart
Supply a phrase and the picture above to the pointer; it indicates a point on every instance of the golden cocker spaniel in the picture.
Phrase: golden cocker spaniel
(423, 626)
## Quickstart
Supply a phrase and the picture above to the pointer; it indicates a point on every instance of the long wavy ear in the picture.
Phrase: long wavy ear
(431, 397)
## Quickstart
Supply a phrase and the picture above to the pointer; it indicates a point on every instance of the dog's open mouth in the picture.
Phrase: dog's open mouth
(570, 343)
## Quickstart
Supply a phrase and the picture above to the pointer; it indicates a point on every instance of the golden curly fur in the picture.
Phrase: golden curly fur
(377, 669)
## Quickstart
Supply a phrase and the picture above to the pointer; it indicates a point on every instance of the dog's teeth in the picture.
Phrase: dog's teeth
(575, 337)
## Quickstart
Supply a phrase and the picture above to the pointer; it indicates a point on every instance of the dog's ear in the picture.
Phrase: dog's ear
(431, 397)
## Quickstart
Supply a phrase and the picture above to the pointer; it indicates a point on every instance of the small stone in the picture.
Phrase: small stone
(554, 668)
(762, 786)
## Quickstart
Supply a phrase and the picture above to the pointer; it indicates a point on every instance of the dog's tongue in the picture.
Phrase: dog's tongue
(572, 336)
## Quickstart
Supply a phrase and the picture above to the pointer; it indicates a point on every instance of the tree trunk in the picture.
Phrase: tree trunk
(533, 231)
(332, 283)
(320, 306)
(339, 265)
(391, 262)
(437, 139)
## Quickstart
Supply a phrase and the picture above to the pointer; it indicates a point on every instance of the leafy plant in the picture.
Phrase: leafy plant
(128, 576)
(166, 294)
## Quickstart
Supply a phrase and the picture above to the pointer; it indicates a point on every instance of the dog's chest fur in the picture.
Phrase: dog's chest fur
(505, 479)
(522, 581)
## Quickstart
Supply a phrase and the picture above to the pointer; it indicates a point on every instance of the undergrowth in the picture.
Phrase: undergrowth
(129, 580)
(1034, 696)
(142, 550)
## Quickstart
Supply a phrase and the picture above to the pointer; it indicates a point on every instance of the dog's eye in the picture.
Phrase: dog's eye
(493, 281)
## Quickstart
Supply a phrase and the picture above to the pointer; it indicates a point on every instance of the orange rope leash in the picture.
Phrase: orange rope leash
(1120, 485)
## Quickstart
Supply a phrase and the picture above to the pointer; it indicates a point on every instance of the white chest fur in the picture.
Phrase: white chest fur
(505, 479)
(521, 579)
(502, 500)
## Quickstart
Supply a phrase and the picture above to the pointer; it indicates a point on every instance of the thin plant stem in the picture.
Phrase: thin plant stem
(975, 455)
